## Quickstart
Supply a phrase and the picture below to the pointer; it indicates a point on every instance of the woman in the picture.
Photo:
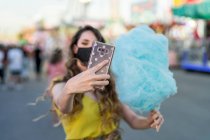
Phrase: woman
(86, 112)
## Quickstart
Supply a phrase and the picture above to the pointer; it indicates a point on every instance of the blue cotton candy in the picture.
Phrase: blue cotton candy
(141, 69)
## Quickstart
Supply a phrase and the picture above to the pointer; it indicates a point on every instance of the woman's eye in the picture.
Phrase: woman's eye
(84, 43)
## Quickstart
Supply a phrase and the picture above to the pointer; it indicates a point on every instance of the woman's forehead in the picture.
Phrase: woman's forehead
(88, 35)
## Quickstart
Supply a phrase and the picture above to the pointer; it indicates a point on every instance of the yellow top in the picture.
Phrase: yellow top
(85, 124)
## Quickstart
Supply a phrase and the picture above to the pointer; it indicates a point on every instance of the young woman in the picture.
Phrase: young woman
(86, 112)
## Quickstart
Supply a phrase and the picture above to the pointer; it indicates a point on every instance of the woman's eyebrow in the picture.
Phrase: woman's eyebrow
(85, 40)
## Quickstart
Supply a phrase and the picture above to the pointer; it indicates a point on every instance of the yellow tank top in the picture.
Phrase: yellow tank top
(85, 124)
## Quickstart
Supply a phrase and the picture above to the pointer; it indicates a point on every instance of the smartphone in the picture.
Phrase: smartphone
(100, 52)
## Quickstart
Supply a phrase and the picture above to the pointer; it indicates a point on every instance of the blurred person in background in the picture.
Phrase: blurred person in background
(76, 97)
(38, 60)
(55, 68)
(26, 64)
(15, 66)
(56, 65)
(2, 64)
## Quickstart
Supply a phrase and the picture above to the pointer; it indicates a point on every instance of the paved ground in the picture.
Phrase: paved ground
(187, 114)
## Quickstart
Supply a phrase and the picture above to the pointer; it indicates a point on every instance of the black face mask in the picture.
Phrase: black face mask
(83, 54)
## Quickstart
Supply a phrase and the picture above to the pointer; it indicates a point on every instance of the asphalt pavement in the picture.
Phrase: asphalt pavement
(187, 114)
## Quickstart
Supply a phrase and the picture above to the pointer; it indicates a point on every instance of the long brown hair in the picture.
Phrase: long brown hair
(109, 103)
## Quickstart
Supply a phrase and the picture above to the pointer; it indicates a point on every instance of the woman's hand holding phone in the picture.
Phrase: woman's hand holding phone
(87, 80)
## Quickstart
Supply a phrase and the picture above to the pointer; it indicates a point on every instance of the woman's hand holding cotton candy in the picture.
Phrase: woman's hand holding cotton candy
(155, 120)
(87, 80)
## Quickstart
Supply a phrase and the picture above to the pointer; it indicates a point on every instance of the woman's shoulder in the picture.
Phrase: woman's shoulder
(59, 85)
(57, 90)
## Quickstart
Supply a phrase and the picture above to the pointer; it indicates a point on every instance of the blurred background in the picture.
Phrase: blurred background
(31, 29)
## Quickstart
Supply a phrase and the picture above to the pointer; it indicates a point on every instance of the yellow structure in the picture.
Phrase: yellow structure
(177, 3)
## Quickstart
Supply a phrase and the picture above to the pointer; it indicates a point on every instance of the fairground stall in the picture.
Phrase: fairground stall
(196, 56)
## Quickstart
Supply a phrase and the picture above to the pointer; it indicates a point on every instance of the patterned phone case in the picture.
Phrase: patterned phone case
(101, 52)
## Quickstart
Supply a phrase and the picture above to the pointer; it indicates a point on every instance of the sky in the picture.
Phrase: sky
(15, 14)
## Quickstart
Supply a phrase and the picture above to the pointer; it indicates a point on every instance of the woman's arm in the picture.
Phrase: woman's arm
(154, 120)
(81, 83)
(63, 101)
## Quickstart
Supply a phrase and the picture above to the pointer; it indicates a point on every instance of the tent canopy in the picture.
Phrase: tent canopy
(199, 10)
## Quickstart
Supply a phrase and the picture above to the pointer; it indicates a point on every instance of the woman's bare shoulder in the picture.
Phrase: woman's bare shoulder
(57, 88)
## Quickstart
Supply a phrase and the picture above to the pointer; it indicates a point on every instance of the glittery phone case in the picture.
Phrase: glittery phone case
(100, 52)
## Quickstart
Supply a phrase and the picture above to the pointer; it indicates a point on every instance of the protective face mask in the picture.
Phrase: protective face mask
(83, 54)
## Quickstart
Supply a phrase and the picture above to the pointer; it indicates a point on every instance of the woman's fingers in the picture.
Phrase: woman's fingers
(155, 116)
(160, 124)
(155, 124)
(157, 120)
(88, 80)
(99, 66)
(101, 77)
(99, 83)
